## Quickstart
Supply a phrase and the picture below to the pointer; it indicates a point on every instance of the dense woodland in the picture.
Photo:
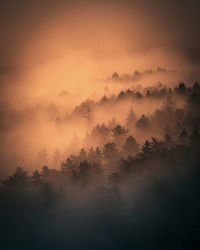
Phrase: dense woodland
(117, 192)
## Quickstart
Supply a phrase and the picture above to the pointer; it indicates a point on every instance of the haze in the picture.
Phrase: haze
(56, 54)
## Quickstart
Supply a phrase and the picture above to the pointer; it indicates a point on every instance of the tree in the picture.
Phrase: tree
(84, 173)
(89, 115)
(143, 122)
(115, 76)
(196, 86)
(100, 133)
(138, 95)
(91, 155)
(68, 166)
(82, 155)
(119, 131)
(157, 147)
(181, 88)
(84, 168)
(119, 135)
(121, 95)
(112, 123)
(94, 156)
(129, 93)
(127, 164)
(146, 150)
(85, 110)
(131, 119)
(18, 180)
(36, 177)
(130, 147)
(45, 171)
(110, 152)
(104, 99)
(98, 155)
(148, 93)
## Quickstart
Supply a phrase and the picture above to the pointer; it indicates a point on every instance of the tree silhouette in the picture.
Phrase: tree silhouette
(119, 131)
(146, 150)
(138, 95)
(18, 181)
(84, 168)
(143, 122)
(112, 123)
(130, 147)
(181, 88)
(100, 134)
(131, 119)
(82, 155)
(104, 99)
(45, 170)
(36, 177)
(98, 156)
(115, 76)
(110, 152)
(157, 147)
(91, 155)
(122, 95)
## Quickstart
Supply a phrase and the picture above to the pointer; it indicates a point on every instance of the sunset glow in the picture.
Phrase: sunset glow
(99, 109)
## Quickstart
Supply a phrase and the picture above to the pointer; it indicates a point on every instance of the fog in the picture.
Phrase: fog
(99, 124)
(52, 46)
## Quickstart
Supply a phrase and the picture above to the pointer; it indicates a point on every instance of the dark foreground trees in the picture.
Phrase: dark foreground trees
(120, 195)
(153, 196)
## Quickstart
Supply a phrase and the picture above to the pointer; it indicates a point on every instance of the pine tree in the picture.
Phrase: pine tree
(131, 119)
(82, 155)
(110, 151)
(143, 122)
(146, 150)
(130, 147)
(119, 131)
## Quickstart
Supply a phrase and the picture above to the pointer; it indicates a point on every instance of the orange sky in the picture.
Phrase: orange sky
(56, 54)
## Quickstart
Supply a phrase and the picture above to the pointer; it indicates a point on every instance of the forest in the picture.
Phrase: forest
(99, 125)
(133, 184)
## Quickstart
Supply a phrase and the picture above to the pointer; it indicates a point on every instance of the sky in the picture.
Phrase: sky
(56, 54)
(54, 45)
(70, 72)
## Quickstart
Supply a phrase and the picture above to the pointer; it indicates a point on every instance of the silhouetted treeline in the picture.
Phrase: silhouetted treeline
(121, 193)
(160, 91)
(91, 165)
(170, 117)
(153, 195)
